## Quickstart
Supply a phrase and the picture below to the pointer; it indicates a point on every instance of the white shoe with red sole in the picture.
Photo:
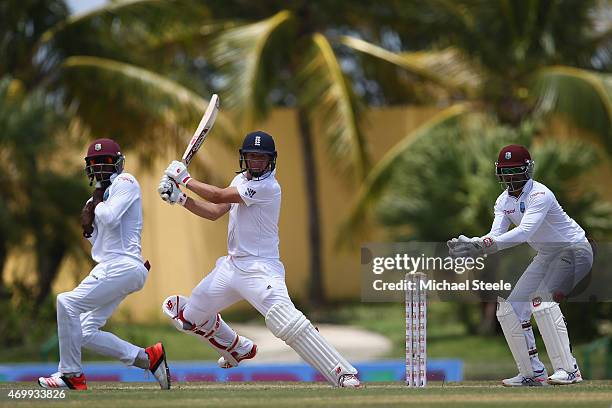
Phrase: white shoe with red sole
(58, 380)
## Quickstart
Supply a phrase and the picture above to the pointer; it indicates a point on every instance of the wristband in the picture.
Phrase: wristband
(186, 180)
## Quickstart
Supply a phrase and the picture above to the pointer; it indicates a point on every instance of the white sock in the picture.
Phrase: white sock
(142, 360)
(245, 345)
(70, 375)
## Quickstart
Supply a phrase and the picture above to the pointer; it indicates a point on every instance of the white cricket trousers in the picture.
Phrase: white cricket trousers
(552, 273)
(84, 310)
(261, 282)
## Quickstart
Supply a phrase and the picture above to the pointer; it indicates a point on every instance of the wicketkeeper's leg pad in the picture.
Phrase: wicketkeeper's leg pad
(290, 325)
(513, 332)
(553, 329)
(173, 307)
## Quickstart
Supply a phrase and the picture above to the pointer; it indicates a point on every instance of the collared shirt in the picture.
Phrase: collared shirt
(118, 221)
(539, 218)
(253, 226)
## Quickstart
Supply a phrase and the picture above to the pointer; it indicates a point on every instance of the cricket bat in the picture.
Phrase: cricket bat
(206, 124)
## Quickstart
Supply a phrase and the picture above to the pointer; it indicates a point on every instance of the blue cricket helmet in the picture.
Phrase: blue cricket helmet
(258, 142)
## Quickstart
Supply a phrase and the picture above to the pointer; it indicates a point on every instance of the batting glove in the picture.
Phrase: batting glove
(177, 171)
(170, 192)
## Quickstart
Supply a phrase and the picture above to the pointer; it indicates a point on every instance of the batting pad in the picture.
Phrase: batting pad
(513, 332)
(552, 327)
(172, 307)
(174, 304)
(290, 325)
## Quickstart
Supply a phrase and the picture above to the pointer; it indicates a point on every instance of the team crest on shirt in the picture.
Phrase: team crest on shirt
(522, 206)
(250, 192)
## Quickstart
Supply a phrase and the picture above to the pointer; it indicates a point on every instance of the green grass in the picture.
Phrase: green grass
(590, 394)
(485, 357)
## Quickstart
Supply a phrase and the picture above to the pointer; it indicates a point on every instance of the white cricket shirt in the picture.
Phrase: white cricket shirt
(118, 221)
(253, 226)
(540, 221)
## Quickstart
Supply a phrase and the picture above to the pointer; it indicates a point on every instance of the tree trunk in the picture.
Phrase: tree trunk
(50, 256)
(3, 253)
(316, 289)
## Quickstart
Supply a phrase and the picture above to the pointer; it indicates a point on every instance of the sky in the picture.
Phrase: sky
(81, 6)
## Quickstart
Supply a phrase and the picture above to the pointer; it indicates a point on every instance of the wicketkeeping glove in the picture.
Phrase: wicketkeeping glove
(170, 192)
(177, 171)
(475, 247)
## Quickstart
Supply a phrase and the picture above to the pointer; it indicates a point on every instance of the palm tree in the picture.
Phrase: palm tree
(516, 61)
(42, 73)
(289, 57)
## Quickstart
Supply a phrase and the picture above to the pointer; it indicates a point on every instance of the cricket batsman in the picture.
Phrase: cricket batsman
(252, 269)
(564, 257)
(112, 222)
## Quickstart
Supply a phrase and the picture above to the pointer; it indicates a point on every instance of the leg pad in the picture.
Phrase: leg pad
(552, 327)
(513, 332)
(290, 325)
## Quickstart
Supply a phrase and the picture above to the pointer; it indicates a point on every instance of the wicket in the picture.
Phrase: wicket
(416, 330)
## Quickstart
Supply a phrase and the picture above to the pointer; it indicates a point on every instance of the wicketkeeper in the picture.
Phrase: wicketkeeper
(252, 270)
(564, 257)
(112, 222)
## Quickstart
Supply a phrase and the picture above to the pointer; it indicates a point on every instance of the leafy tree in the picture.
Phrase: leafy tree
(449, 179)
(43, 194)
(499, 58)
(505, 55)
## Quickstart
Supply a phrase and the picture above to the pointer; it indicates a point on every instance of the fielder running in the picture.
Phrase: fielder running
(252, 269)
(564, 257)
(112, 222)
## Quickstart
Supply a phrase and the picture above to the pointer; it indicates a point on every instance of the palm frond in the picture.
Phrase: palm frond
(244, 55)
(448, 68)
(326, 92)
(191, 38)
(584, 97)
(136, 10)
(126, 31)
(142, 107)
(601, 34)
(377, 179)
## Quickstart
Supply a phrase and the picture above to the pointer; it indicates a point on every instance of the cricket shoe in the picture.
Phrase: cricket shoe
(538, 380)
(223, 363)
(349, 381)
(58, 380)
(562, 377)
(158, 365)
